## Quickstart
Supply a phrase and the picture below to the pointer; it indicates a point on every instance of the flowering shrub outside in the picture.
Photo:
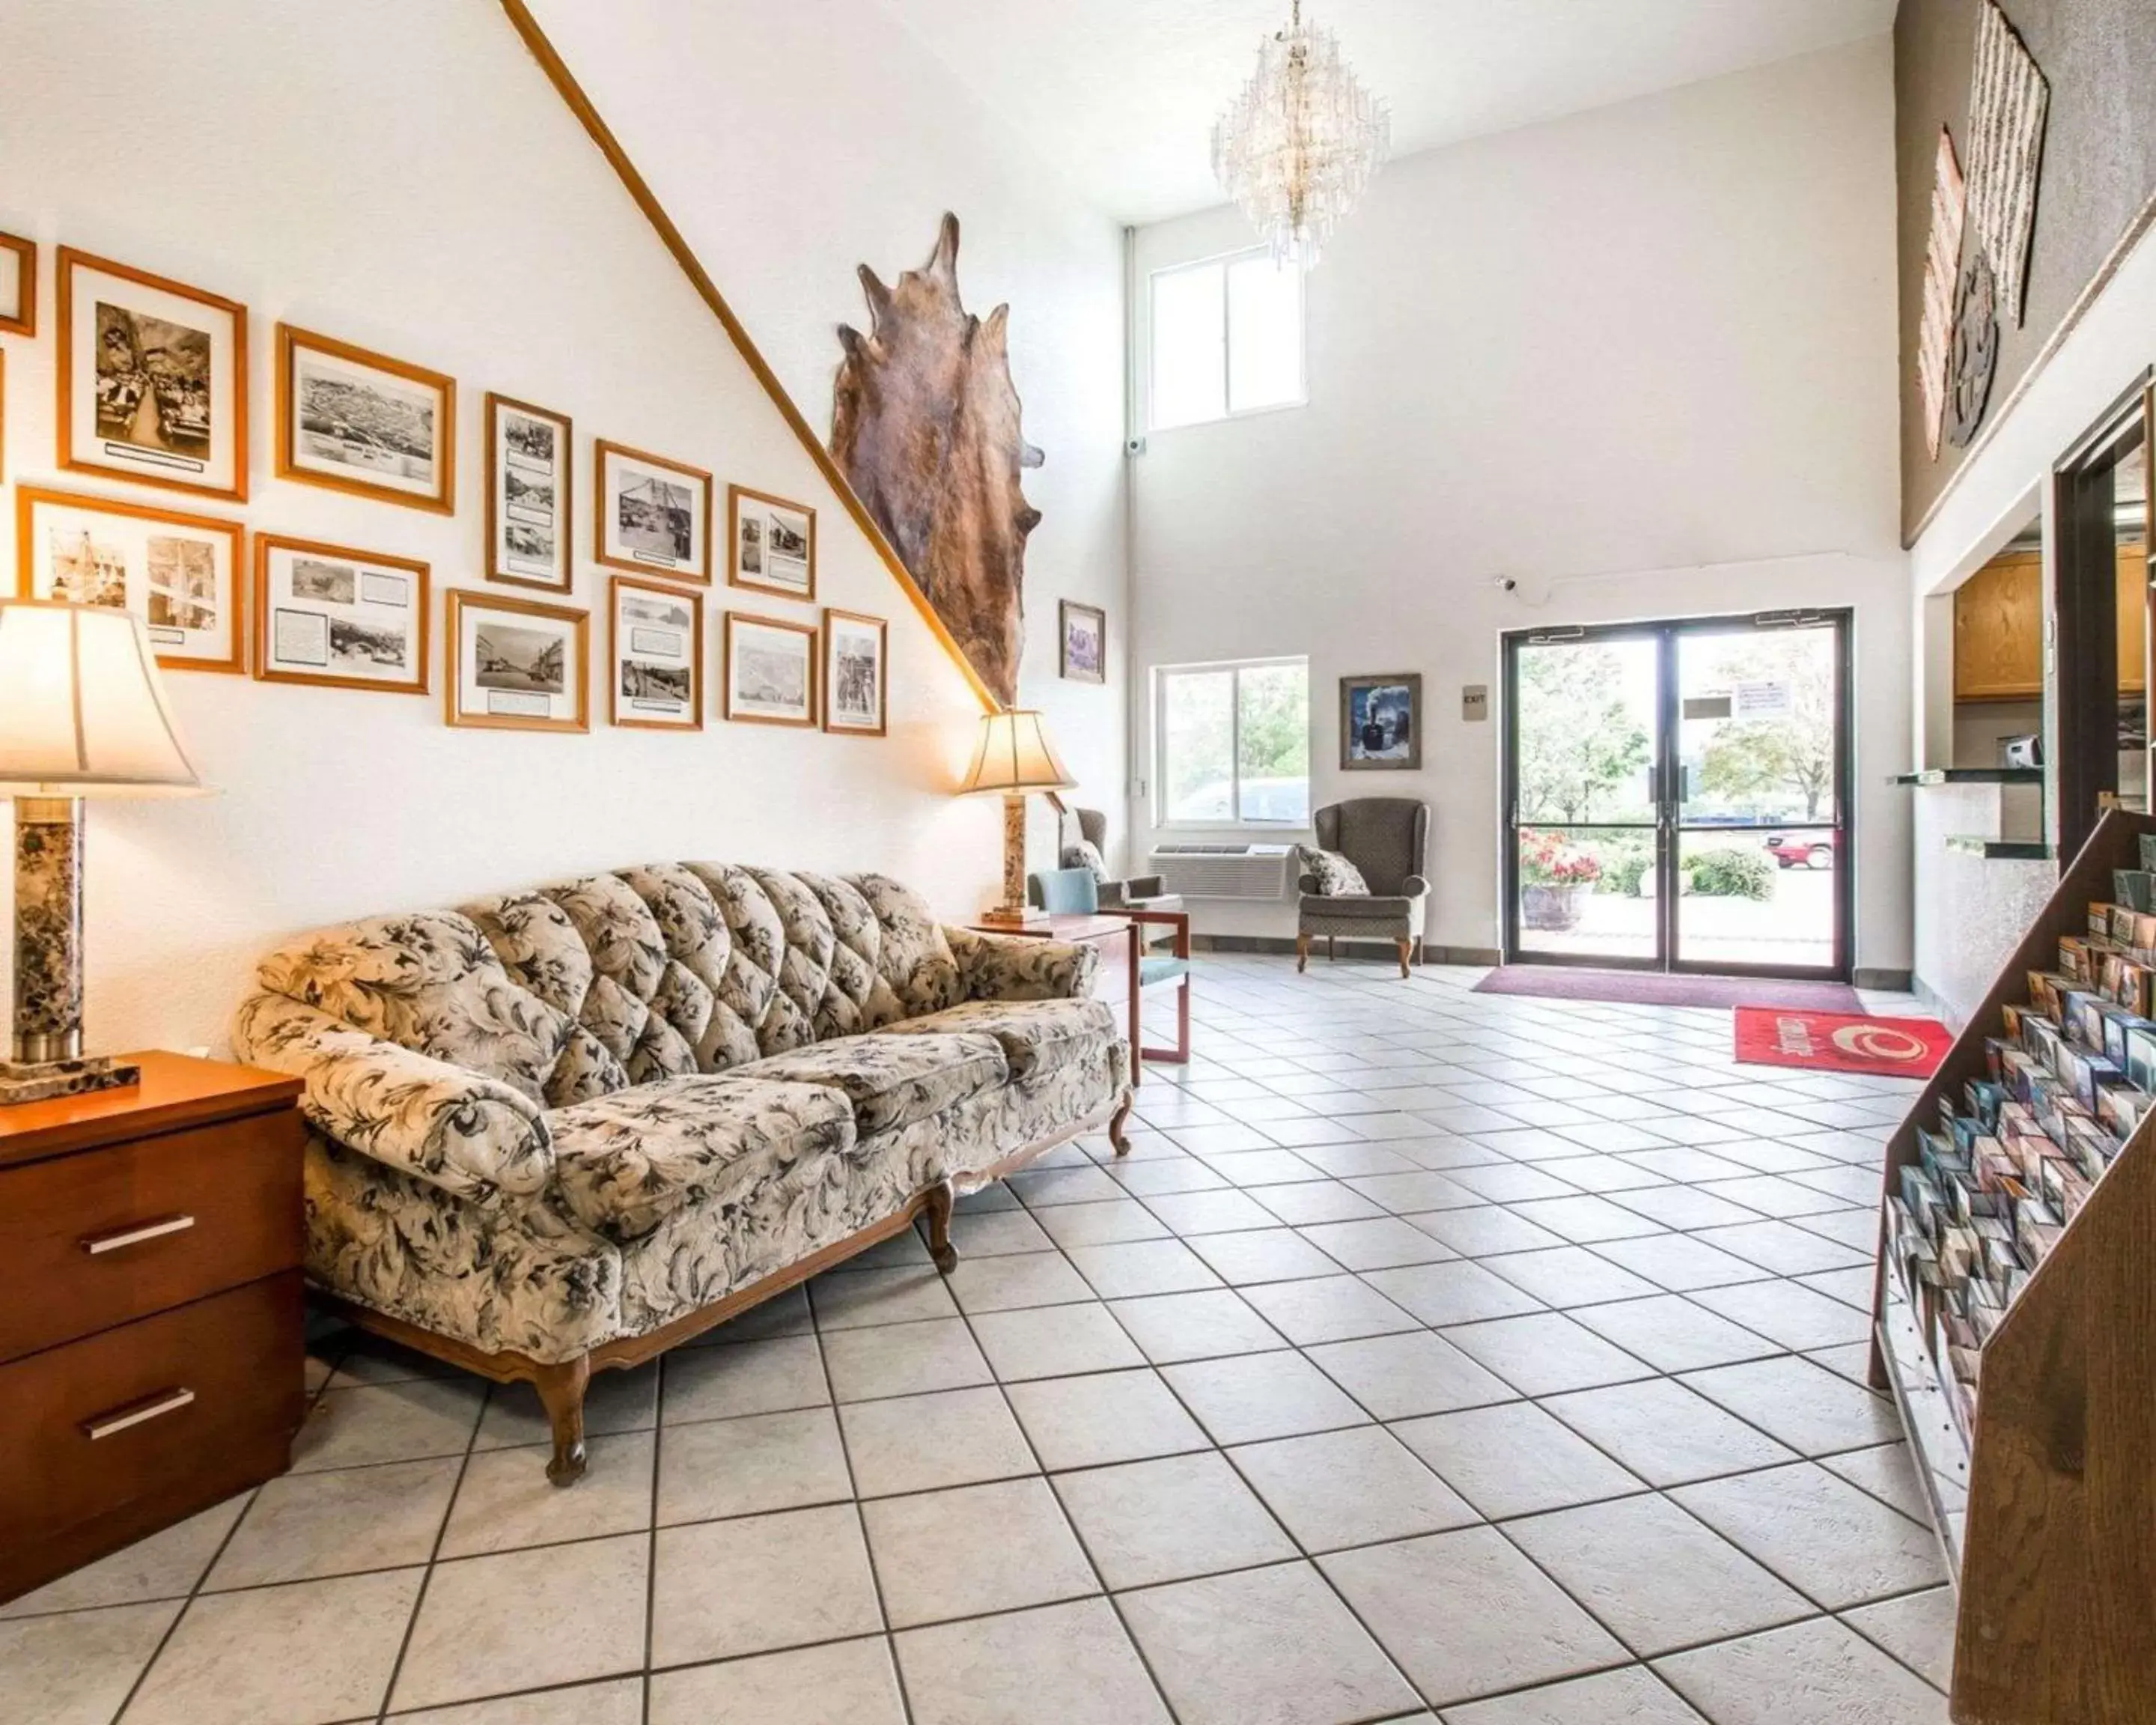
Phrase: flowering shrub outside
(1550, 859)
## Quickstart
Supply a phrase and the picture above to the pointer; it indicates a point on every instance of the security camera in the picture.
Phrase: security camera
(1508, 583)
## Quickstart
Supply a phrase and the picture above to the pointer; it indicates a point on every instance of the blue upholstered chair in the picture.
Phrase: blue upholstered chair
(1075, 892)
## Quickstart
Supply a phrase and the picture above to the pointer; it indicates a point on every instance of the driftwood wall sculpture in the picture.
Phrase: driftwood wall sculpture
(925, 424)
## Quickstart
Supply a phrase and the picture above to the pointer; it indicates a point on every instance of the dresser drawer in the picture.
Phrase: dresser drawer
(108, 1235)
(127, 1431)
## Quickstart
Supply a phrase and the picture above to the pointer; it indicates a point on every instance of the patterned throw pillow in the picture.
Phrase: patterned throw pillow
(1336, 876)
(1086, 854)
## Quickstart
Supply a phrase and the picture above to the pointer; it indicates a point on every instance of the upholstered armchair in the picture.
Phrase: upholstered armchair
(1083, 827)
(1386, 837)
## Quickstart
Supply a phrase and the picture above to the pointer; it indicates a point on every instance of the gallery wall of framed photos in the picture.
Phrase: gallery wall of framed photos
(331, 428)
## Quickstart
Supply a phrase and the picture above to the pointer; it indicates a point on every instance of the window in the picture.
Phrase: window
(1235, 743)
(1227, 338)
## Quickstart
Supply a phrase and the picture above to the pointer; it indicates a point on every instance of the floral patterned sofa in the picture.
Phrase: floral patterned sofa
(566, 1128)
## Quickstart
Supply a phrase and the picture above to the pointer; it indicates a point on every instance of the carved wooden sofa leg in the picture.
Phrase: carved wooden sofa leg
(1116, 1135)
(562, 1391)
(941, 1197)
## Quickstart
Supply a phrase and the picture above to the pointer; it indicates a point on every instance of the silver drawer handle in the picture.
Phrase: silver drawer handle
(96, 1243)
(156, 1407)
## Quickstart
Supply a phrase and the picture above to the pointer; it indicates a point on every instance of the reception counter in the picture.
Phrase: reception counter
(1982, 870)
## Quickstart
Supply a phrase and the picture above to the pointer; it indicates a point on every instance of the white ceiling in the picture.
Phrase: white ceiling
(1122, 94)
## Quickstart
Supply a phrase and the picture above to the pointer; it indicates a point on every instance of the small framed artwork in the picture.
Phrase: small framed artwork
(657, 680)
(855, 699)
(152, 378)
(529, 499)
(1381, 722)
(345, 619)
(362, 422)
(774, 544)
(770, 670)
(517, 665)
(19, 286)
(1084, 656)
(654, 515)
(181, 574)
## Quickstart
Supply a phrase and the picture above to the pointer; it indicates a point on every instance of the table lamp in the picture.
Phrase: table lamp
(1014, 756)
(82, 715)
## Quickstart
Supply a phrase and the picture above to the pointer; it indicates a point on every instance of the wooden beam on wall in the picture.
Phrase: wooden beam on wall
(639, 188)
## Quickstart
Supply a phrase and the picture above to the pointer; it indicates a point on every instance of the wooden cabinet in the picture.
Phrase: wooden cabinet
(1999, 628)
(151, 1361)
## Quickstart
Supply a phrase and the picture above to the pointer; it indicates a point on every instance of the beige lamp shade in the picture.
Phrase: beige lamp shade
(1015, 755)
(81, 712)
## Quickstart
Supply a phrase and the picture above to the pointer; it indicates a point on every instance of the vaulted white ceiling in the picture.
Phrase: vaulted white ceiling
(1122, 94)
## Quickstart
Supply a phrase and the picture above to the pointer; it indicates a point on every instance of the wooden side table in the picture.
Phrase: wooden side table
(151, 1350)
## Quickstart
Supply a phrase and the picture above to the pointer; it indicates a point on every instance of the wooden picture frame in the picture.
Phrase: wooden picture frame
(838, 625)
(122, 417)
(734, 702)
(754, 563)
(689, 561)
(164, 607)
(661, 658)
(1381, 750)
(517, 531)
(461, 627)
(1071, 667)
(23, 320)
(369, 588)
(393, 392)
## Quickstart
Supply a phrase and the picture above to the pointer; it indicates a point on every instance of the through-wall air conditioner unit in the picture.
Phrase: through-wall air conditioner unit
(1242, 871)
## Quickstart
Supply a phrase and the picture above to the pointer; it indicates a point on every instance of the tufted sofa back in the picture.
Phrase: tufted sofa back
(571, 991)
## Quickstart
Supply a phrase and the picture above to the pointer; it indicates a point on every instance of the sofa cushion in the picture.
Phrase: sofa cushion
(1031, 1034)
(893, 1080)
(626, 1162)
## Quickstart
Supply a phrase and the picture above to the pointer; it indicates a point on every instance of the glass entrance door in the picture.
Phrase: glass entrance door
(1677, 795)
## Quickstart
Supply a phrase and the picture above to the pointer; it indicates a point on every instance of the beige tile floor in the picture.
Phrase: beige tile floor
(1435, 1356)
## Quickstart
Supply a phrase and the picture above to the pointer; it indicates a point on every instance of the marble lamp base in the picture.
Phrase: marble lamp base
(46, 1079)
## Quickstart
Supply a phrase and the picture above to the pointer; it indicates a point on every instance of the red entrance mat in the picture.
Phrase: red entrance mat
(1837, 1042)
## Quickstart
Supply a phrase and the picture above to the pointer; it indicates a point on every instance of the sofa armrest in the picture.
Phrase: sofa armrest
(470, 1135)
(1012, 967)
(1414, 887)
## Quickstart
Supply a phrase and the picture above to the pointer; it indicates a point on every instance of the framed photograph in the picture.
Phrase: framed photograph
(654, 515)
(362, 422)
(774, 544)
(528, 495)
(19, 286)
(770, 670)
(1381, 722)
(516, 665)
(180, 573)
(1084, 657)
(346, 619)
(855, 697)
(657, 679)
(152, 378)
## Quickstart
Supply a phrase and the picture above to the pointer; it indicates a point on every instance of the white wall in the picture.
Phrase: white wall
(401, 174)
(795, 139)
(1642, 359)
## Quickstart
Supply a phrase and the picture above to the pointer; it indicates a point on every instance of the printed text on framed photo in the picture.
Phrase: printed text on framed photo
(655, 675)
(1381, 722)
(529, 501)
(344, 619)
(152, 379)
(517, 665)
(856, 677)
(773, 544)
(770, 670)
(364, 423)
(1084, 657)
(19, 286)
(654, 515)
(181, 574)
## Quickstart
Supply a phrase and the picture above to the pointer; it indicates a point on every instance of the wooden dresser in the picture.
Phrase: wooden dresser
(151, 1360)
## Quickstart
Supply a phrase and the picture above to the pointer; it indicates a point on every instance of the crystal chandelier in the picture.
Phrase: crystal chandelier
(1296, 148)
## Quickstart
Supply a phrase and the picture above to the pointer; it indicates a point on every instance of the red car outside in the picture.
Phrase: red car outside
(1814, 850)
